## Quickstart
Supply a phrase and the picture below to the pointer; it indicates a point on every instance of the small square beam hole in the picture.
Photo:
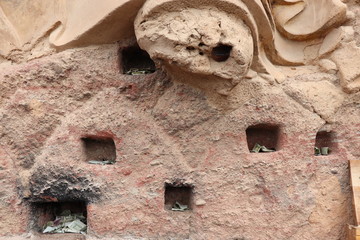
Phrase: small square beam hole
(44, 212)
(325, 139)
(178, 194)
(99, 149)
(264, 135)
(136, 61)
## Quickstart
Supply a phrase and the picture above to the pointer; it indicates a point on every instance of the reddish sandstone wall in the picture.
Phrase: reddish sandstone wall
(168, 132)
(163, 132)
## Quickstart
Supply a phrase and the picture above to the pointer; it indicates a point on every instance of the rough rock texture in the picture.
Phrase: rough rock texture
(183, 129)
(205, 29)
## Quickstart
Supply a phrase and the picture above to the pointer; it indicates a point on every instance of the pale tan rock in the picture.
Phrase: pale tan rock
(350, 15)
(93, 22)
(69, 23)
(190, 46)
(290, 52)
(8, 36)
(331, 41)
(337, 36)
(81, 23)
(321, 97)
(155, 163)
(302, 26)
(200, 202)
(347, 59)
(304, 19)
(184, 37)
(24, 22)
(251, 74)
(348, 33)
(328, 66)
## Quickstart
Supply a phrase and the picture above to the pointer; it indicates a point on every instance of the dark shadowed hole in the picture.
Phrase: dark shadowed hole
(221, 52)
(325, 139)
(43, 212)
(263, 134)
(180, 193)
(99, 149)
(134, 59)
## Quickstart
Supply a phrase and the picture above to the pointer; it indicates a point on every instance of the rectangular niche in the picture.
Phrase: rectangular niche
(99, 149)
(324, 139)
(136, 61)
(43, 213)
(178, 197)
(264, 135)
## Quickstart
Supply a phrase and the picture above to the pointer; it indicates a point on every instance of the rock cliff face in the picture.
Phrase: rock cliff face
(175, 95)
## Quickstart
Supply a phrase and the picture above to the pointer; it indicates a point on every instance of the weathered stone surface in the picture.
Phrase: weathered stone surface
(185, 124)
(347, 59)
(321, 97)
(195, 41)
(25, 22)
(296, 19)
(91, 22)
(328, 66)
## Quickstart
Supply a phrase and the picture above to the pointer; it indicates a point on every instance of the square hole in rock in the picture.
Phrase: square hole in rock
(136, 61)
(99, 149)
(263, 135)
(178, 197)
(324, 142)
(59, 217)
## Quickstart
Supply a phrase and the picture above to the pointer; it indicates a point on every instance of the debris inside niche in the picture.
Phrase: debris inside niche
(101, 162)
(324, 151)
(139, 71)
(259, 148)
(180, 207)
(67, 222)
(135, 61)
